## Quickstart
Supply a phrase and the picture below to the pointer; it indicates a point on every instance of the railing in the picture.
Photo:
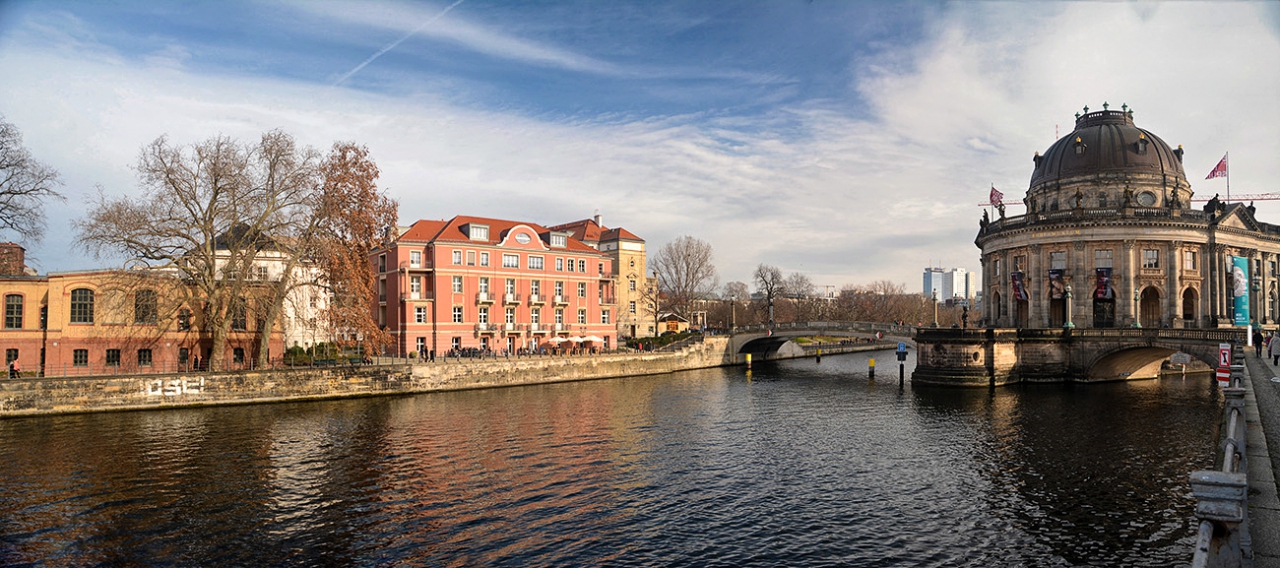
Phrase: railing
(418, 296)
(819, 326)
(1223, 335)
(1222, 495)
(537, 299)
(561, 299)
(608, 300)
(484, 297)
(511, 298)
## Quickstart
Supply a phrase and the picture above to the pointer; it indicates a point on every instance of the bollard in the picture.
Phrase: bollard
(819, 354)
(902, 381)
(748, 362)
(871, 370)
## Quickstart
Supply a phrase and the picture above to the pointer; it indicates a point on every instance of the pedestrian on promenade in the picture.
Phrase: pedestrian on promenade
(14, 369)
(1273, 349)
(1257, 342)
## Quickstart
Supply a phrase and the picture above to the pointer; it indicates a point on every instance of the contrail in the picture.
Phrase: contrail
(395, 43)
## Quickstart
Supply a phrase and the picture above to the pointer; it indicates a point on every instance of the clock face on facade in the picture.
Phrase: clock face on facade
(1146, 199)
(522, 238)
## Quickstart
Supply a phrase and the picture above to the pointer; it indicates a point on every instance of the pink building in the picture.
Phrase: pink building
(471, 282)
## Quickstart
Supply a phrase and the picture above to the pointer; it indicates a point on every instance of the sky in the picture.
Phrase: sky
(849, 141)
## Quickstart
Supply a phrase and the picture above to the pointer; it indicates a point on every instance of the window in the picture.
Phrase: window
(571, 265)
(535, 263)
(631, 285)
(483, 316)
(44, 317)
(382, 262)
(535, 287)
(184, 320)
(82, 306)
(415, 258)
(237, 355)
(1271, 267)
(582, 267)
(313, 301)
(239, 317)
(559, 288)
(113, 357)
(457, 257)
(457, 314)
(415, 285)
(479, 232)
(484, 285)
(1102, 259)
(995, 266)
(471, 258)
(511, 286)
(1150, 258)
(511, 315)
(484, 259)
(582, 289)
(144, 357)
(457, 284)
(1058, 260)
(420, 315)
(455, 343)
(511, 261)
(559, 265)
(13, 311)
(582, 315)
(559, 315)
(631, 307)
(604, 316)
(602, 269)
(1102, 199)
(1189, 261)
(184, 355)
(260, 272)
(535, 316)
(144, 307)
(10, 355)
(558, 241)
(1019, 263)
(80, 358)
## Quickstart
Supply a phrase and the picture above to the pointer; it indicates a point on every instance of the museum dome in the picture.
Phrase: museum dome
(1107, 142)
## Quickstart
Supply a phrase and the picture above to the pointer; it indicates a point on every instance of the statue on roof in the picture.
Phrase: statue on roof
(986, 220)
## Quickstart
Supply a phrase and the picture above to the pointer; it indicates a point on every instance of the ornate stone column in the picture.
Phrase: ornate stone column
(1126, 307)
(1173, 284)
(1036, 303)
(1079, 278)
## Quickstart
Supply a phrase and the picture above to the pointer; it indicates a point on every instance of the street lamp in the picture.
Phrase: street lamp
(656, 290)
(935, 308)
(733, 313)
(1137, 308)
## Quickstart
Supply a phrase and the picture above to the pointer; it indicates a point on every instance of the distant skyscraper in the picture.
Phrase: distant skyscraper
(933, 282)
(953, 283)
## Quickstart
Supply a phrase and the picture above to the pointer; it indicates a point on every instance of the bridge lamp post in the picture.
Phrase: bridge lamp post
(1137, 308)
(1066, 297)
(935, 308)
(733, 313)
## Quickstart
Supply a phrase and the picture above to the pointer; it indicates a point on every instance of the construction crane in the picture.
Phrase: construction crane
(1245, 197)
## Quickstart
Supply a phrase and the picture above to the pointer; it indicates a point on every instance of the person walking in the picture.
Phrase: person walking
(1273, 350)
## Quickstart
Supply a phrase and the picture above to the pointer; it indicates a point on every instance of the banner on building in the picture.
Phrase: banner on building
(1103, 291)
(1057, 286)
(1240, 288)
(1019, 291)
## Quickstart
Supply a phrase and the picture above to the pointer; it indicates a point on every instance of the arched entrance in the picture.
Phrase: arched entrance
(1020, 313)
(1190, 301)
(1150, 307)
(1104, 308)
(1057, 311)
(997, 311)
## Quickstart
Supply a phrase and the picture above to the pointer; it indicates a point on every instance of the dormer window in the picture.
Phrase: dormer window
(1080, 146)
(1141, 145)
(558, 241)
(1102, 199)
(478, 232)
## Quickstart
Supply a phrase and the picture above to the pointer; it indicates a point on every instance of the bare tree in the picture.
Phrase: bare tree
(209, 211)
(685, 272)
(770, 285)
(736, 291)
(25, 186)
(797, 285)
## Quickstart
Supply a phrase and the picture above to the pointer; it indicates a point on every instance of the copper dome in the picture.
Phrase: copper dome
(1107, 142)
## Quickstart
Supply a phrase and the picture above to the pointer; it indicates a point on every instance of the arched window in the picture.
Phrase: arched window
(82, 305)
(144, 307)
(13, 311)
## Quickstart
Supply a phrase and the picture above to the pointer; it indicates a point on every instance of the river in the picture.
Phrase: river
(799, 464)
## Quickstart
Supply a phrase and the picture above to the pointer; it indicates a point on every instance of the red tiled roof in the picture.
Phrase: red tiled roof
(585, 230)
(619, 234)
(452, 231)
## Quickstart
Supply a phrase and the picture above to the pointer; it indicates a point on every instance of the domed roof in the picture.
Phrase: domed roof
(1106, 142)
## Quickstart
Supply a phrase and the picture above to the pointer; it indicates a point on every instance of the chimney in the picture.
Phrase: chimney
(13, 259)
(597, 220)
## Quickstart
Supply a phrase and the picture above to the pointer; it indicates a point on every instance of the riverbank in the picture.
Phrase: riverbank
(63, 395)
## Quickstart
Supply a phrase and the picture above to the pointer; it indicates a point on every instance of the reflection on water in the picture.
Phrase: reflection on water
(801, 464)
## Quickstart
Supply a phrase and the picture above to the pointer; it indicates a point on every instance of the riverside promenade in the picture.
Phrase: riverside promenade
(1262, 419)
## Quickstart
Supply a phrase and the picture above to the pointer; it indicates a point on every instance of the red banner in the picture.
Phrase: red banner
(1219, 170)
(996, 196)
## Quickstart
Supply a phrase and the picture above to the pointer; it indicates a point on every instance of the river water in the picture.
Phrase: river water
(800, 464)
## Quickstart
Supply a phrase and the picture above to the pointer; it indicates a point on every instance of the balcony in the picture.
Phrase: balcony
(484, 328)
(535, 299)
(608, 300)
(484, 298)
(509, 327)
(561, 300)
(417, 296)
(537, 328)
(405, 265)
(511, 298)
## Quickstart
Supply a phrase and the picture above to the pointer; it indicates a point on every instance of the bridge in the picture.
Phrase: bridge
(991, 357)
(764, 342)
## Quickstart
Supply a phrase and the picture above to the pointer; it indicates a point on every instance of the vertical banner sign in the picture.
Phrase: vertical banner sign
(1240, 289)
(1057, 287)
(1103, 291)
(1019, 291)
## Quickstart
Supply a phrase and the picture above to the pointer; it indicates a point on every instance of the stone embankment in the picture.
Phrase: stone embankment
(69, 395)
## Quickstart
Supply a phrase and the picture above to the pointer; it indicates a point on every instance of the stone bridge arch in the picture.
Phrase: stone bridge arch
(1125, 362)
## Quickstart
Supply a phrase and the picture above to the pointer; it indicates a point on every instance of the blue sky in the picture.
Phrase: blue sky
(850, 141)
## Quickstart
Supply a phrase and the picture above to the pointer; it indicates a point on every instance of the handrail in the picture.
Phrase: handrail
(1222, 495)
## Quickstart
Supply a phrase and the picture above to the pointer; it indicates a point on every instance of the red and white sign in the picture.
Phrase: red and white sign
(1224, 365)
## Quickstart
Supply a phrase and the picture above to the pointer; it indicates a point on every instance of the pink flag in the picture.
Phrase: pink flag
(1219, 170)
(996, 196)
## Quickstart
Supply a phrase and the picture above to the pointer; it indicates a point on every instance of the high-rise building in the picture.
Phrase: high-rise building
(955, 283)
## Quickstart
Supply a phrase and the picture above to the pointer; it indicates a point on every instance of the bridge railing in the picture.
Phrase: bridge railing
(854, 326)
(1224, 335)
(1222, 494)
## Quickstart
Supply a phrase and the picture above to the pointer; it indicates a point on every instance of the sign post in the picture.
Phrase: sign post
(1224, 365)
(902, 356)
